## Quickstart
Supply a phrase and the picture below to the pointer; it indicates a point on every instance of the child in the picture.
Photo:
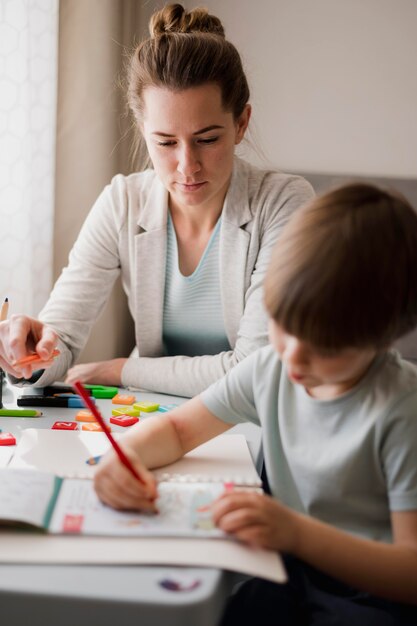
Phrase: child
(338, 411)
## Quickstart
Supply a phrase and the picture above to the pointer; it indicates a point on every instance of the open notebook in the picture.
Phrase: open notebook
(61, 499)
(43, 501)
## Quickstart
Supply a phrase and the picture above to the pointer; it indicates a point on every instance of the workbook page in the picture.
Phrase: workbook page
(25, 496)
(184, 511)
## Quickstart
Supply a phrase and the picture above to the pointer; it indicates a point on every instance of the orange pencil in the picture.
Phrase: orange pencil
(34, 358)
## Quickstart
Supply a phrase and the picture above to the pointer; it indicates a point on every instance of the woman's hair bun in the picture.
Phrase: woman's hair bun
(173, 18)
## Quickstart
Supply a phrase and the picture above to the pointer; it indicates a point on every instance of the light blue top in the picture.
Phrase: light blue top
(347, 461)
(193, 319)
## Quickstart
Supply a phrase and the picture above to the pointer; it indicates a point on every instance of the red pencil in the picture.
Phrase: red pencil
(94, 410)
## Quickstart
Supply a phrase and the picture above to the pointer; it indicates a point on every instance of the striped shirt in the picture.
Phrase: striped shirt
(193, 320)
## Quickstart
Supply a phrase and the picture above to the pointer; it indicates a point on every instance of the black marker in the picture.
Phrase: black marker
(74, 402)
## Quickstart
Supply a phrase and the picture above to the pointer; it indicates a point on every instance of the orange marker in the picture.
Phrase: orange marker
(85, 416)
(95, 427)
(34, 359)
(123, 399)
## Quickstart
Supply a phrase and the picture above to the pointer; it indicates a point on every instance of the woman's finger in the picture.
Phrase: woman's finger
(47, 343)
(20, 337)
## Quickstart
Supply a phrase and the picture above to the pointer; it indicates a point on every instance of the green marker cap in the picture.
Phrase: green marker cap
(101, 391)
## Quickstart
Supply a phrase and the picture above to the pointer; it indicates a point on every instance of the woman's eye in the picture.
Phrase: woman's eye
(169, 143)
(208, 140)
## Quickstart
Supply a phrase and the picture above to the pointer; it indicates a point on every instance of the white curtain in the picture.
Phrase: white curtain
(28, 94)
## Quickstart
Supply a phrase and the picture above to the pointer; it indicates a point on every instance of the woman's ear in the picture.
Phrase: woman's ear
(140, 127)
(242, 123)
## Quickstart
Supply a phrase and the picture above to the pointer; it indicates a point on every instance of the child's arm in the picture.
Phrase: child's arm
(387, 570)
(153, 443)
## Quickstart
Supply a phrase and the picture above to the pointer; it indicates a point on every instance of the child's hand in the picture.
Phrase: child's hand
(116, 486)
(256, 519)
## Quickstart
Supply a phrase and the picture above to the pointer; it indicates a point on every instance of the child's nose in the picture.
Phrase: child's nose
(296, 352)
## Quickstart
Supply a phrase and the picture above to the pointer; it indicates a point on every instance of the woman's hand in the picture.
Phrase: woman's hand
(117, 487)
(101, 373)
(256, 519)
(20, 336)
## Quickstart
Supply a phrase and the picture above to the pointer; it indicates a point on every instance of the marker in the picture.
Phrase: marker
(7, 439)
(94, 410)
(74, 402)
(20, 413)
(101, 391)
(97, 391)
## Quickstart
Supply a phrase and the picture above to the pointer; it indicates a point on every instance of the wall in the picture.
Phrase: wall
(91, 142)
(334, 89)
(334, 83)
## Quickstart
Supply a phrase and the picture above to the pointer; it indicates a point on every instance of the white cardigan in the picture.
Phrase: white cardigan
(126, 232)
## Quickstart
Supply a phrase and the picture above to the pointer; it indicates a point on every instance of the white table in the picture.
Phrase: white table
(50, 595)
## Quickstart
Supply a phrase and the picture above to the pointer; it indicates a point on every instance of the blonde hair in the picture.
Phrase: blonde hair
(186, 49)
(344, 271)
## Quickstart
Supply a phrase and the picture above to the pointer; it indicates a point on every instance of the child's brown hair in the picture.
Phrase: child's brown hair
(344, 271)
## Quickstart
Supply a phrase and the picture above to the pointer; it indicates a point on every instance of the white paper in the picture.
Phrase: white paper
(60, 452)
(225, 458)
(6, 453)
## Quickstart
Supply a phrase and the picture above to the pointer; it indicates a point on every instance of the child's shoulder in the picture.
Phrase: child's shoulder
(395, 404)
(396, 374)
(263, 363)
(395, 385)
(266, 358)
(266, 368)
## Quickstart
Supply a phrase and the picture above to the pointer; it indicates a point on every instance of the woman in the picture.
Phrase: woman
(191, 237)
